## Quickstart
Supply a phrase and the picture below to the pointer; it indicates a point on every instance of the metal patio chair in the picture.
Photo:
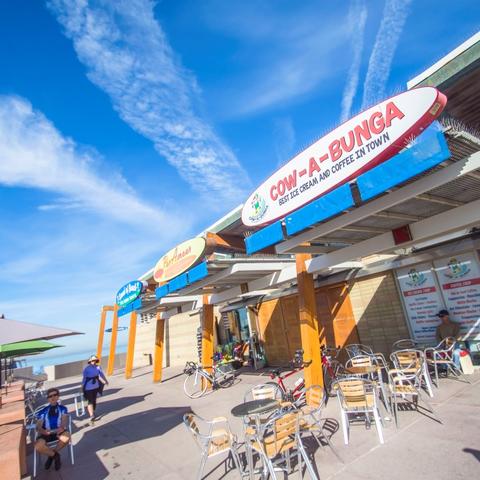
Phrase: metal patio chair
(358, 397)
(213, 437)
(376, 360)
(355, 349)
(264, 391)
(442, 355)
(31, 428)
(409, 361)
(312, 421)
(277, 440)
(405, 383)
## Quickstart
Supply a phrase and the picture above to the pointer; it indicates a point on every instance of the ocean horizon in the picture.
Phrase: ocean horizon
(39, 362)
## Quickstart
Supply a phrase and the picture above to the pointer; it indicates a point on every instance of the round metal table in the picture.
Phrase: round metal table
(255, 407)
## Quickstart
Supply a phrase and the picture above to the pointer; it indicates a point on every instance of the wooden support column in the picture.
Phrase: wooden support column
(158, 350)
(207, 335)
(131, 345)
(113, 342)
(101, 333)
(308, 323)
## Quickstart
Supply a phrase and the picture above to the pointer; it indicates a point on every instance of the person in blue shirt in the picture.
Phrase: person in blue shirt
(52, 426)
(92, 384)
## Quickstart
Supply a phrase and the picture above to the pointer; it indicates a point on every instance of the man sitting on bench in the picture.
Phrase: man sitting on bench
(52, 427)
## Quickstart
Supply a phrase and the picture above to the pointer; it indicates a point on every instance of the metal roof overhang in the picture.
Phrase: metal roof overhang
(230, 274)
(441, 201)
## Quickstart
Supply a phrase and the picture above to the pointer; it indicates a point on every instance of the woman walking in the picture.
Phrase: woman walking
(93, 382)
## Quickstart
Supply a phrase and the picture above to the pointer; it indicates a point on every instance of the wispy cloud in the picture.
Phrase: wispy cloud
(357, 17)
(284, 54)
(395, 14)
(284, 139)
(128, 56)
(33, 153)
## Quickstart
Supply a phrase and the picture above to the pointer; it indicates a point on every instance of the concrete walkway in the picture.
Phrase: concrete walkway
(141, 435)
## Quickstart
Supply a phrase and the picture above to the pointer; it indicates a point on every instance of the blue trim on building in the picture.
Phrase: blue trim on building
(264, 238)
(324, 207)
(161, 291)
(428, 150)
(197, 273)
(137, 304)
(178, 283)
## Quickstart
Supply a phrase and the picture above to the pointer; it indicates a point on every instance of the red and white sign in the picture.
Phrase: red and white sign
(354, 147)
(459, 277)
(422, 300)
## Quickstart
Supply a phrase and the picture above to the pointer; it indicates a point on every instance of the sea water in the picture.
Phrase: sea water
(38, 362)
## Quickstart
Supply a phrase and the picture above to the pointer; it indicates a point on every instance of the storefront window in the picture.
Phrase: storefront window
(242, 319)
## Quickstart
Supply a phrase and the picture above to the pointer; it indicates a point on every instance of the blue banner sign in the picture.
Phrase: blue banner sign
(129, 293)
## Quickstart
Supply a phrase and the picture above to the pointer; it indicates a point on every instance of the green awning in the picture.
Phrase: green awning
(30, 347)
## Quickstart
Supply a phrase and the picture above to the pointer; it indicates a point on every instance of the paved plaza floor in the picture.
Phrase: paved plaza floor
(140, 435)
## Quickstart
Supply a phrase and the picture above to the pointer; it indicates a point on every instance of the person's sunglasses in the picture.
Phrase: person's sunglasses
(53, 395)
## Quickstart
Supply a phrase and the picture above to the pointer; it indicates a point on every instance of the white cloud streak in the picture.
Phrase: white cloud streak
(284, 139)
(128, 56)
(33, 153)
(357, 17)
(394, 17)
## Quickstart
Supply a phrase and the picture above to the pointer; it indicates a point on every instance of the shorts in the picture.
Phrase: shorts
(91, 396)
(49, 438)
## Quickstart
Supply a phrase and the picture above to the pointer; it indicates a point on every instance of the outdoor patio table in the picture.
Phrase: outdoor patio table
(254, 408)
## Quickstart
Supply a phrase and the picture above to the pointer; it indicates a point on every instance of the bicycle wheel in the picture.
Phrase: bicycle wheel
(195, 385)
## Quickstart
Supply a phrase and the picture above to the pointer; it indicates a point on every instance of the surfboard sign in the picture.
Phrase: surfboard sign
(356, 146)
(179, 259)
(129, 293)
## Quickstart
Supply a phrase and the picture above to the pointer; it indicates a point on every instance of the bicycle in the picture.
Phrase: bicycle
(196, 383)
(331, 367)
(295, 395)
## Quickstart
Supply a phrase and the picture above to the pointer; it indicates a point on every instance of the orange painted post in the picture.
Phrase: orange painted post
(113, 342)
(158, 351)
(207, 335)
(131, 345)
(308, 323)
(101, 333)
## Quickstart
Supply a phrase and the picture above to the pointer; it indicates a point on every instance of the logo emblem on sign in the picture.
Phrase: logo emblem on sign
(416, 278)
(353, 148)
(258, 208)
(457, 269)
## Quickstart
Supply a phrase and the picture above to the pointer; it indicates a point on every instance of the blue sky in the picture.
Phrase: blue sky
(128, 126)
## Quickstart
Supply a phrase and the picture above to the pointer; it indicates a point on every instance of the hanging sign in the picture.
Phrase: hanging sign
(459, 278)
(179, 259)
(422, 300)
(354, 147)
(129, 293)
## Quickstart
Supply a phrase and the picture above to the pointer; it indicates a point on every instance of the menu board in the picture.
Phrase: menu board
(422, 300)
(459, 278)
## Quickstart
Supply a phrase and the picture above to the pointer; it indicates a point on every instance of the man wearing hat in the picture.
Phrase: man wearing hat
(93, 381)
(449, 329)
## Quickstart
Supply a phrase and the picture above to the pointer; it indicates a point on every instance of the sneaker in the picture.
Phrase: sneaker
(58, 461)
(48, 463)
(92, 421)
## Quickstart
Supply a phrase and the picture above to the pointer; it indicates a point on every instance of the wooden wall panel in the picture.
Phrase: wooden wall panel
(291, 321)
(344, 325)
